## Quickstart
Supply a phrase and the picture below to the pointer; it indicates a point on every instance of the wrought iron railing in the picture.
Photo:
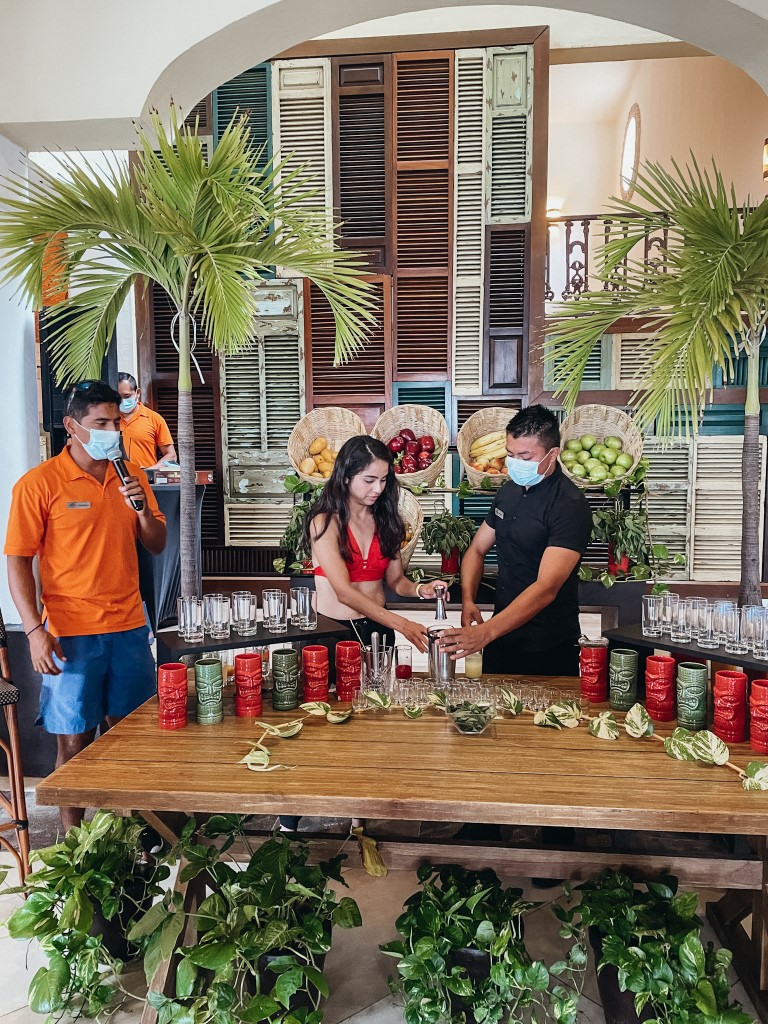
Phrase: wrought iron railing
(571, 263)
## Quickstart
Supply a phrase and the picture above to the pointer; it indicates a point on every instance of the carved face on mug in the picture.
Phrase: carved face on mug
(727, 708)
(173, 699)
(285, 681)
(661, 688)
(759, 720)
(248, 684)
(621, 678)
(208, 692)
(693, 696)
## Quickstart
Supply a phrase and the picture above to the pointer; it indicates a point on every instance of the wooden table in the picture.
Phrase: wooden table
(383, 765)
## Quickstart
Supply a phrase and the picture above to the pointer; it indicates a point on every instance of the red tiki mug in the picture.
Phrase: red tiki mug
(172, 695)
(314, 659)
(758, 716)
(593, 669)
(660, 698)
(730, 694)
(248, 677)
(349, 663)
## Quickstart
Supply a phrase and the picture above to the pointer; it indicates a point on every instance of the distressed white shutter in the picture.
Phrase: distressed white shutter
(716, 519)
(469, 199)
(630, 360)
(257, 523)
(668, 490)
(301, 127)
(509, 133)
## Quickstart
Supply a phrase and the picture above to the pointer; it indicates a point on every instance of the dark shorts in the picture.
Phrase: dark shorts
(105, 675)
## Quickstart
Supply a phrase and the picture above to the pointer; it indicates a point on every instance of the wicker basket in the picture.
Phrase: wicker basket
(413, 516)
(601, 421)
(484, 421)
(330, 421)
(421, 420)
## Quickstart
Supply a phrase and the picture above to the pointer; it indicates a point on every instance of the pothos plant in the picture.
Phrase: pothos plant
(292, 538)
(652, 939)
(445, 532)
(262, 933)
(461, 954)
(95, 875)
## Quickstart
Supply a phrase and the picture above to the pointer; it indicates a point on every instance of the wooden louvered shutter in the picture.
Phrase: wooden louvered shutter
(715, 537)
(301, 132)
(205, 404)
(597, 369)
(668, 491)
(423, 116)
(362, 119)
(464, 407)
(469, 219)
(365, 383)
(248, 93)
(506, 310)
(630, 360)
(509, 134)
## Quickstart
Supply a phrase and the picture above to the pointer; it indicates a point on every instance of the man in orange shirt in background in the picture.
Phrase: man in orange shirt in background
(145, 432)
(90, 642)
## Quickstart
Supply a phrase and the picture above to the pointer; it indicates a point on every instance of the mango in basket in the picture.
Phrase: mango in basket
(307, 466)
(317, 445)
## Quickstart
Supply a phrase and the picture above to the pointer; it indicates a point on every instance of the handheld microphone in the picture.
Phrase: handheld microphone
(122, 472)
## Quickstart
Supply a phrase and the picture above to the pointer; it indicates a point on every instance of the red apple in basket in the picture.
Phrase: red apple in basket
(397, 444)
(412, 448)
(407, 434)
(398, 468)
(409, 464)
(427, 443)
(424, 460)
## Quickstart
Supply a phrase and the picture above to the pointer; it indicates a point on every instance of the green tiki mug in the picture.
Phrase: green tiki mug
(622, 678)
(208, 687)
(285, 679)
(692, 695)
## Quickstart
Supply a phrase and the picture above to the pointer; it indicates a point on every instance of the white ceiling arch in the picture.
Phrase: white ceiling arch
(109, 67)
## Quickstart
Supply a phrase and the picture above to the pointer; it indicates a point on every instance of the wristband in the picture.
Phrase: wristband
(38, 626)
(418, 591)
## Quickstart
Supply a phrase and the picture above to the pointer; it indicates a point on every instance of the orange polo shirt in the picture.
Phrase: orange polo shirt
(143, 433)
(85, 538)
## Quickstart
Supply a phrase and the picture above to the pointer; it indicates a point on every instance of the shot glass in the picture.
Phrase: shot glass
(220, 613)
(669, 603)
(244, 605)
(652, 615)
(191, 619)
(275, 611)
(473, 665)
(403, 662)
(307, 609)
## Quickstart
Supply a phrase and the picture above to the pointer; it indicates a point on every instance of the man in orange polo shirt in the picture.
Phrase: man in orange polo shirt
(145, 432)
(90, 642)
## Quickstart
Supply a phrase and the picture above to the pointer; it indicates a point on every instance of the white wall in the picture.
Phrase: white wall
(19, 445)
(702, 104)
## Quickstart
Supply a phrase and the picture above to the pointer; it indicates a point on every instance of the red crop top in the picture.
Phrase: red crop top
(363, 570)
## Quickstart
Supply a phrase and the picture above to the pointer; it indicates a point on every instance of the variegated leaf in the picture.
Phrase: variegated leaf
(510, 702)
(710, 748)
(316, 707)
(546, 720)
(256, 757)
(567, 713)
(756, 777)
(680, 745)
(339, 717)
(638, 722)
(437, 699)
(271, 767)
(604, 726)
(291, 729)
(412, 712)
(378, 700)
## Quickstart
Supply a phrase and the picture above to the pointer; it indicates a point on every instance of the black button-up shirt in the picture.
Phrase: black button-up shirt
(554, 513)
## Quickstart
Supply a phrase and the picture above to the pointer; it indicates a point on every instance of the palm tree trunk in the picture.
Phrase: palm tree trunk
(186, 439)
(751, 569)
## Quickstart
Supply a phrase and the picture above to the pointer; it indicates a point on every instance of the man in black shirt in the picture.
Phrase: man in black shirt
(541, 524)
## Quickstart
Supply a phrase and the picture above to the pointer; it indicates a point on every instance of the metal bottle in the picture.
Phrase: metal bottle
(441, 667)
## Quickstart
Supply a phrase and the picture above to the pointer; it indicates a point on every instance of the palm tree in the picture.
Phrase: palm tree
(204, 232)
(705, 303)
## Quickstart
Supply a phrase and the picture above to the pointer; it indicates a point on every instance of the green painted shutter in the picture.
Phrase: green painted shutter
(436, 395)
(248, 92)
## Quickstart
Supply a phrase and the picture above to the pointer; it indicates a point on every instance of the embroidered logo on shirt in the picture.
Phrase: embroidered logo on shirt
(78, 504)
(499, 513)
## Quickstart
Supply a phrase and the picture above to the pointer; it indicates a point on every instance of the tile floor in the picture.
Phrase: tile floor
(356, 970)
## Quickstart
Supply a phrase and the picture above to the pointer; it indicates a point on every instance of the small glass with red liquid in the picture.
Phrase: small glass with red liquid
(403, 662)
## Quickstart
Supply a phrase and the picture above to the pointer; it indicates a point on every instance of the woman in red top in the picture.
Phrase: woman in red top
(355, 531)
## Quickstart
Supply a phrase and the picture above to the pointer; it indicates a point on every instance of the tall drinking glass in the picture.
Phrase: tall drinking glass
(296, 600)
(734, 623)
(760, 634)
(693, 607)
(191, 619)
(652, 615)
(722, 611)
(307, 609)
(244, 606)
(680, 631)
(669, 604)
(219, 615)
(708, 637)
(276, 611)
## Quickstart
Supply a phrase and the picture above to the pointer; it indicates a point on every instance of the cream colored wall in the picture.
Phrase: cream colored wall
(579, 178)
(702, 104)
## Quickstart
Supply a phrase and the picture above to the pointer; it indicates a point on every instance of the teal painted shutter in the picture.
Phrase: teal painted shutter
(247, 93)
(436, 395)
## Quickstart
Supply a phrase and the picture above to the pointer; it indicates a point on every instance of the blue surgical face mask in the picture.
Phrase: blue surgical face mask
(101, 444)
(129, 404)
(525, 472)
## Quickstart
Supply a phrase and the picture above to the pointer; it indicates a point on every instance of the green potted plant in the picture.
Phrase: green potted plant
(202, 230)
(651, 962)
(81, 899)
(449, 536)
(703, 300)
(261, 935)
(625, 531)
(461, 954)
(293, 537)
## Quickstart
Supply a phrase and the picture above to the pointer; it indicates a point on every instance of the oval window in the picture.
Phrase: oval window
(630, 153)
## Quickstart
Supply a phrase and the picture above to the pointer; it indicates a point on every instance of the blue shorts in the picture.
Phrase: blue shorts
(105, 675)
